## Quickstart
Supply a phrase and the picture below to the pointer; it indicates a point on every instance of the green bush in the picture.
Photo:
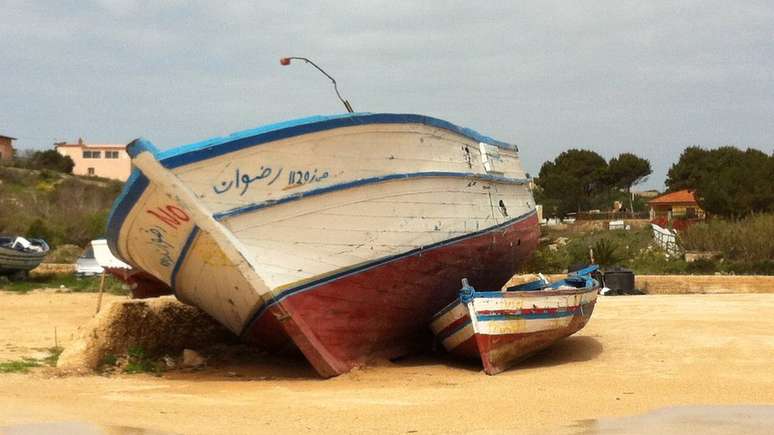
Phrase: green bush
(49, 159)
(606, 253)
(702, 266)
(61, 209)
(64, 254)
(749, 240)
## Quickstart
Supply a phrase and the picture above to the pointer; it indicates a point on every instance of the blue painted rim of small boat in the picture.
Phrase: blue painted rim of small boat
(185, 154)
(260, 310)
(591, 285)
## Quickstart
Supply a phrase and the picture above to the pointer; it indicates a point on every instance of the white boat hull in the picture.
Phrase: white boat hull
(235, 231)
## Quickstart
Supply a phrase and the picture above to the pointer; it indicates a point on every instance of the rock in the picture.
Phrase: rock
(192, 359)
(169, 362)
(158, 326)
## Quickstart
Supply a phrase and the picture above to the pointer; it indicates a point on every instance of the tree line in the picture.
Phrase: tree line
(579, 180)
(727, 181)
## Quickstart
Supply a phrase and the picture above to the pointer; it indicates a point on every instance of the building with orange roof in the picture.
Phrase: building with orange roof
(99, 160)
(676, 209)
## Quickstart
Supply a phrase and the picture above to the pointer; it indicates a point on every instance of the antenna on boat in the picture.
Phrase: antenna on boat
(286, 61)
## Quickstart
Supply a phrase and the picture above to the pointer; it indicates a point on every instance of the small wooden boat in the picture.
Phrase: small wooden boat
(502, 328)
(340, 235)
(19, 255)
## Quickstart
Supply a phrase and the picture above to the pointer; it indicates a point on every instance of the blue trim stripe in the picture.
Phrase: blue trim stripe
(362, 182)
(181, 258)
(133, 189)
(376, 263)
(529, 286)
(139, 145)
(210, 148)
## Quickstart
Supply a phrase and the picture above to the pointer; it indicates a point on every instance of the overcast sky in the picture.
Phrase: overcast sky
(648, 77)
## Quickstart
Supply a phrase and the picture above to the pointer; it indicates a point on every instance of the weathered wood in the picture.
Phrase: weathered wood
(277, 228)
(101, 291)
(502, 328)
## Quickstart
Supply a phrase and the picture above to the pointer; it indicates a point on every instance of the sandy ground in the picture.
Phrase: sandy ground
(637, 354)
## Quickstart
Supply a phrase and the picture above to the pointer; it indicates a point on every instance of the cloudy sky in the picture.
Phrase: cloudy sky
(649, 77)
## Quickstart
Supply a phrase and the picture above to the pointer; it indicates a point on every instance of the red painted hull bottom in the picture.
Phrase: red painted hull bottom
(501, 352)
(384, 311)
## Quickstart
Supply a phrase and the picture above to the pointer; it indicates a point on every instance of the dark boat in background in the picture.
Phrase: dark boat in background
(19, 255)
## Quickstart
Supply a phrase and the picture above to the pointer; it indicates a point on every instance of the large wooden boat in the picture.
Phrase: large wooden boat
(503, 328)
(19, 255)
(341, 235)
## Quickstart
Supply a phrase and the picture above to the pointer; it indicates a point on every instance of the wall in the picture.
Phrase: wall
(6, 149)
(683, 284)
(691, 284)
(118, 169)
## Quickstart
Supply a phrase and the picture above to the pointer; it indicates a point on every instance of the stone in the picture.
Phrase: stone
(192, 359)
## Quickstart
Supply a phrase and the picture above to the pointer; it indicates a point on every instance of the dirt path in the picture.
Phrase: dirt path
(27, 321)
(638, 353)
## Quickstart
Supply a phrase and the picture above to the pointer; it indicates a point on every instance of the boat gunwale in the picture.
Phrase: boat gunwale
(533, 294)
(197, 151)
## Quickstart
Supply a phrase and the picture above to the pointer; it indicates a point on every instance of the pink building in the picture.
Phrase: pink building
(101, 160)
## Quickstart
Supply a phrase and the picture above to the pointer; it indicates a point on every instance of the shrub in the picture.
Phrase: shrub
(702, 266)
(64, 254)
(748, 240)
(605, 253)
(50, 159)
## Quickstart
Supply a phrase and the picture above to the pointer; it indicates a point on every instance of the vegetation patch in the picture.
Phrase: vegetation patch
(19, 366)
(24, 364)
(65, 281)
(64, 254)
(745, 248)
(748, 240)
(136, 360)
(55, 206)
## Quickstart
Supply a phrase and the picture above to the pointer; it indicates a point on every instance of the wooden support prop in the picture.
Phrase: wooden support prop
(101, 290)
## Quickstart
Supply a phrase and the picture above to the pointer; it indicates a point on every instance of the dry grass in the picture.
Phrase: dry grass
(60, 208)
(750, 239)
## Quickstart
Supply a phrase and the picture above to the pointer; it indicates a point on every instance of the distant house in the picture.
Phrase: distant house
(652, 193)
(676, 209)
(6, 147)
(100, 160)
